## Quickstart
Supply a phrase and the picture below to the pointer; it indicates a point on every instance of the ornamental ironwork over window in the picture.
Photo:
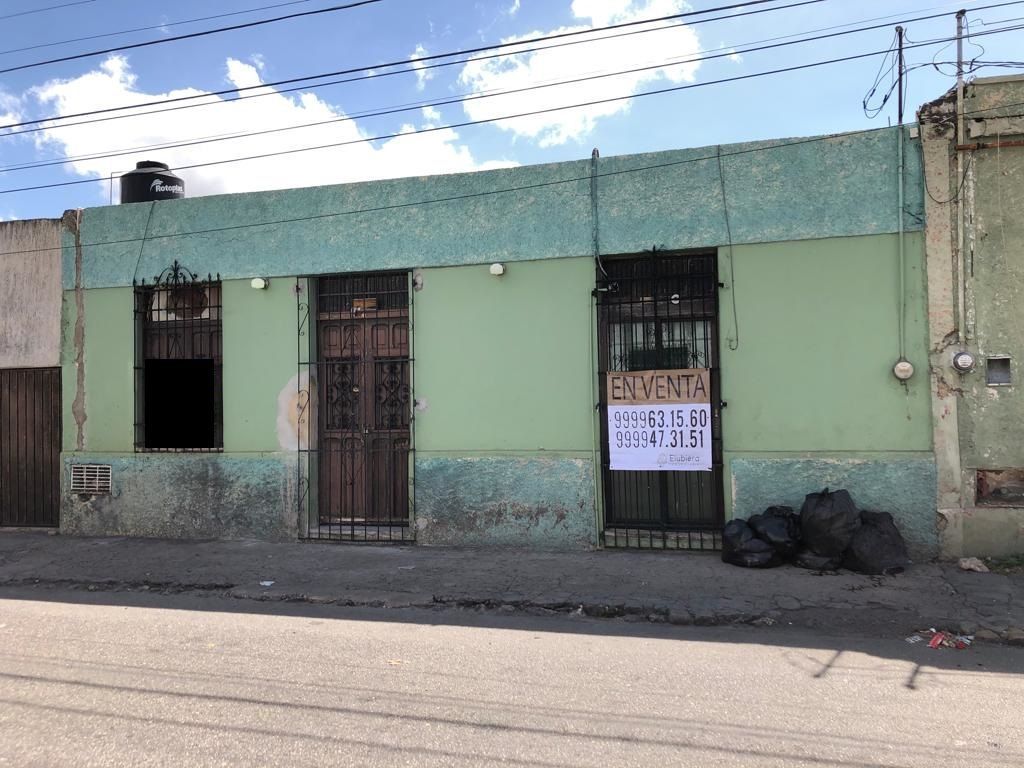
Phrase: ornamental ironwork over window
(178, 368)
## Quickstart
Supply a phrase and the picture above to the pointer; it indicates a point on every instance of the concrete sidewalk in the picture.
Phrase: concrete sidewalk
(677, 587)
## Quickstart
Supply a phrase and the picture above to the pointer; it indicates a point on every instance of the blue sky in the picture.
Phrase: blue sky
(820, 100)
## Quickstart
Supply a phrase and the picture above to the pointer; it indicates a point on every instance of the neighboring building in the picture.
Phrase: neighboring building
(30, 380)
(975, 257)
(343, 362)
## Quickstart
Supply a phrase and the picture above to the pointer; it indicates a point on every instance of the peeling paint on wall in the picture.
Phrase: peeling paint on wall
(294, 408)
(73, 222)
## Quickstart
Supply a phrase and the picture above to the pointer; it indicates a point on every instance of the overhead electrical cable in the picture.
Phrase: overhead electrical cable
(498, 191)
(418, 62)
(413, 107)
(263, 87)
(47, 8)
(165, 25)
(191, 35)
(432, 129)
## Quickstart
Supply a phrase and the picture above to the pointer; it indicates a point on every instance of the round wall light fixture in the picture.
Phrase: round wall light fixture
(497, 269)
(260, 283)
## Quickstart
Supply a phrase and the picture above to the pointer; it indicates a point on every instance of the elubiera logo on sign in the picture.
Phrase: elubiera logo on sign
(158, 186)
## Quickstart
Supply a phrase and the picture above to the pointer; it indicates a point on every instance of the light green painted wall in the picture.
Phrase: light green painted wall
(109, 370)
(505, 363)
(259, 361)
(817, 341)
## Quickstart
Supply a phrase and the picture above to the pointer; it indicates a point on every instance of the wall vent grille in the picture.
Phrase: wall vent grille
(90, 478)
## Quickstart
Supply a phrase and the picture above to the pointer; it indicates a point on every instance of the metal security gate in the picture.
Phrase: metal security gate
(30, 435)
(361, 413)
(659, 311)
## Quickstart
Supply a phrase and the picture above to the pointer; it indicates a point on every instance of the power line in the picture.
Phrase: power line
(467, 123)
(47, 8)
(409, 107)
(420, 105)
(503, 190)
(148, 29)
(418, 62)
(498, 191)
(191, 35)
(262, 87)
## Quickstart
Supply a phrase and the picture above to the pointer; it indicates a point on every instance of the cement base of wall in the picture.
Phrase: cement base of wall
(186, 496)
(905, 487)
(981, 532)
(541, 503)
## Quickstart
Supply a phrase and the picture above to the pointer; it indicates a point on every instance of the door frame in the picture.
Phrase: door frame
(308, 420)
(663, 533)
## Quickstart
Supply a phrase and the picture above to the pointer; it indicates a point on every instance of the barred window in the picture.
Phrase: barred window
(178, 370)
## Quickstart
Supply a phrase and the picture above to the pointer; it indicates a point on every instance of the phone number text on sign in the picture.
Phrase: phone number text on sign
(659, 420)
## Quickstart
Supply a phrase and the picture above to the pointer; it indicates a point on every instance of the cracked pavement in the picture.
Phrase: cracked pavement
(677, 587)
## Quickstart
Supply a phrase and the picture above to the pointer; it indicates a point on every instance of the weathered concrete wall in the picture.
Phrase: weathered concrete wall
(504, 372)
(30, 293)
(976, 426)
(541, 502)
(901, 485)
(186, 496)
(776, 191)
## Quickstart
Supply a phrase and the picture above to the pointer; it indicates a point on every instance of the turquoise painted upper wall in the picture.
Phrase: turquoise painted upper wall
(776, 191)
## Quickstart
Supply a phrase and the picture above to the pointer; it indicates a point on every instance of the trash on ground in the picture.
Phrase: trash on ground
(828, 521)
(948, 640)
(973, 564)
(828, 533)
(877, 547)
(914, 639)
(814, 562)
(740, 546)
(266, 583)
(780, 527)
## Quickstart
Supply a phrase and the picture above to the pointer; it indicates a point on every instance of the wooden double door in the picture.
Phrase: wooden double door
(364, 392)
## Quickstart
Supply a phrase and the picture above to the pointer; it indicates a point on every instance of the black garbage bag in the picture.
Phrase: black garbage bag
(877, 546)
(780, 527)
(828, 521)
(741, 547)
(805, 558)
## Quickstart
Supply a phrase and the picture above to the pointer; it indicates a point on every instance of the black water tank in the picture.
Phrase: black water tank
(150, 181)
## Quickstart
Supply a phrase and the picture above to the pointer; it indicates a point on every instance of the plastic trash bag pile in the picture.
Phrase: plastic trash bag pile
(828, 533)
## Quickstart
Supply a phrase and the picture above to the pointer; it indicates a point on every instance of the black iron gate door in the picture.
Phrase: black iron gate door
(659, 311)
(364, 410)
(30, 447)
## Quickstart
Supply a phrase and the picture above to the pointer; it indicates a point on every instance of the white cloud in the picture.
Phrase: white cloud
(10, 110)
(422, 73)
(514, 8)
(114, 83)
(521, 70)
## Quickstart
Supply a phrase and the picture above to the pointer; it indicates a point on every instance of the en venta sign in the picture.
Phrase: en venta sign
(660, 420)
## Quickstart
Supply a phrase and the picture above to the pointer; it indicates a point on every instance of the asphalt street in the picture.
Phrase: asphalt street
(211, 681)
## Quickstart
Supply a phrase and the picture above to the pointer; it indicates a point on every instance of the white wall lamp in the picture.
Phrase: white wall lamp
(260, 283)
(497, 269)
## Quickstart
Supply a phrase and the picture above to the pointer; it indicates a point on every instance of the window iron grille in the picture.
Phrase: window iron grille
(178, 362)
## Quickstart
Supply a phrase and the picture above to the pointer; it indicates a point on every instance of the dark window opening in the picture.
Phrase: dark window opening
(997, 371)
(178, 381)
(180, 404)
(1000, 487)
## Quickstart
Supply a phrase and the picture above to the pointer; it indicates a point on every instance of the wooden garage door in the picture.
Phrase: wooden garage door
(29, 447)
